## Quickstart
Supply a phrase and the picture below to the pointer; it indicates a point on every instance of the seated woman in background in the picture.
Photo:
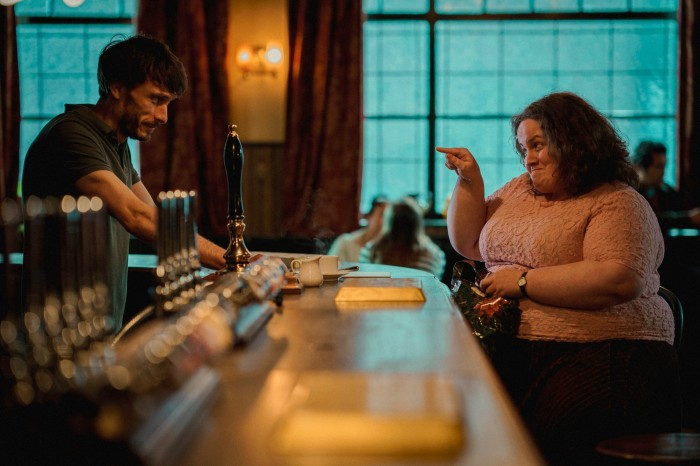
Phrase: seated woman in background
(579, 247)
(347, 246)
(403, 241)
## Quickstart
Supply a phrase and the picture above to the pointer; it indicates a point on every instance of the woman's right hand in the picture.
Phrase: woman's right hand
(462, 162)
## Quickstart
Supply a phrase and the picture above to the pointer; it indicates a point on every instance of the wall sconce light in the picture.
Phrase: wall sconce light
(259, 59)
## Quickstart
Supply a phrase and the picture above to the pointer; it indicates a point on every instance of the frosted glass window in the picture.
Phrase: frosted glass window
(508, 6)
(597, 6)
(556, 6)
(396, 6)
(655, 5)
(459, 6)
(487, 69)
(89, 9)
(395, 158)
(58, 57)
(396, 68)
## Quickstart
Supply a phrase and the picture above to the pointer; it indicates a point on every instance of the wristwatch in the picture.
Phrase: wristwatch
(522, 283)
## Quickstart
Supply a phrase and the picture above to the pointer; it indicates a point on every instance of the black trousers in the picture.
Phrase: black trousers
(572, 395)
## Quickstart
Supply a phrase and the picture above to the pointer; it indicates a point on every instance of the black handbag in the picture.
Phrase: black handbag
(490, 318)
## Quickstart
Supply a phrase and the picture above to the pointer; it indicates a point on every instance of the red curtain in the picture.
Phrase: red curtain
(9, 105)
(187, 152)
(689, 101)
(323, 150)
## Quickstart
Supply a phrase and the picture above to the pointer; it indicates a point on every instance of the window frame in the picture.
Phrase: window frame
(51, 16)
(432, 17)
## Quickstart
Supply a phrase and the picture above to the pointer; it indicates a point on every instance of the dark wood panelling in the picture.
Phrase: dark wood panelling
(262, 189)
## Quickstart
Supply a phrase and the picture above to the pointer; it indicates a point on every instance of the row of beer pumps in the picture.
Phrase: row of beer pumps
(63, 339)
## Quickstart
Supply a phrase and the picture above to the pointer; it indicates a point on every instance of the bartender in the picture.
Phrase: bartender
(84, 151)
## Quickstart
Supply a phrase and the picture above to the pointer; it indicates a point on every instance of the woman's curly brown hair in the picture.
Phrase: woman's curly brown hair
(586, 146)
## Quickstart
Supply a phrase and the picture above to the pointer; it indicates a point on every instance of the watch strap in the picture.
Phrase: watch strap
(522, 283)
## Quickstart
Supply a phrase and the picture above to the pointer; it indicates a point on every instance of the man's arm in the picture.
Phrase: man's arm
(136, 214)
(210, 255)
(135, 210)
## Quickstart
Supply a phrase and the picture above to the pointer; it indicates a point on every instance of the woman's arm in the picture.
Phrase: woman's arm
(586, 284)
(466, 213)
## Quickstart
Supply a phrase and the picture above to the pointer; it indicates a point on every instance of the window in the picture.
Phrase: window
(58, 47)
(452, 72)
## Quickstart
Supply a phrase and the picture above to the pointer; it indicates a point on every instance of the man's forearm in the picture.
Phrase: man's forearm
(210, 254)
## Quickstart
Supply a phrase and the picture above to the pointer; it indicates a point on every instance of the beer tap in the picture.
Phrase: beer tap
(195, 264)
(237, 255)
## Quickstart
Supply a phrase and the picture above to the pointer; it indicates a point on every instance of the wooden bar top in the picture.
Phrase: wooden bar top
(309, 334)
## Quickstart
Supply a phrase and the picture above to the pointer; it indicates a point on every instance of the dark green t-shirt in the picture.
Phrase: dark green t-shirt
(70, 146)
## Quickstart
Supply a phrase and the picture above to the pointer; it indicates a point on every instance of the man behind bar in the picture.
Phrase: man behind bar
(84, 151)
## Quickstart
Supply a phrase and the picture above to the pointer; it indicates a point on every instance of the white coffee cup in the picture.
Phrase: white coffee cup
(329, 264)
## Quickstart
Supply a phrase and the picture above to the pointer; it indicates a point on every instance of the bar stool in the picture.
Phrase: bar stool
(656, 448)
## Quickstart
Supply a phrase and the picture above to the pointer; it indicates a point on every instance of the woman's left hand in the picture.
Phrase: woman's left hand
(503, 283)
(585, 284)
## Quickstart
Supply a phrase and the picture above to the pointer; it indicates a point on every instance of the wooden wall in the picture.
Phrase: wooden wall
(262, 189)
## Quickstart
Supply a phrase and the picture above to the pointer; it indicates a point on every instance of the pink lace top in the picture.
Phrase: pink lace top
(611, 223)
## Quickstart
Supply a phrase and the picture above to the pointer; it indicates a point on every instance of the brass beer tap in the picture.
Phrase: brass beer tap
(237, 255)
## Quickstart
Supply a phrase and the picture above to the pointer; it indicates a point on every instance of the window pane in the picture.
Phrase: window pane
(33, 8)
(556, 6)
(487, 70)
(459, 6)
(395, 6)
(468, 46)
(528, 46)
(655, 5)
(58, 65)
(643, 45)
(92, 9)
(594, 56)
(396, 68)
(395, 159)
(508, 6)
(468, 95)
(468, 57)
(396, 95)
(604, 5)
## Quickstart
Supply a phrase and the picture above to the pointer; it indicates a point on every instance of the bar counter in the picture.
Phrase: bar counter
(310, 333)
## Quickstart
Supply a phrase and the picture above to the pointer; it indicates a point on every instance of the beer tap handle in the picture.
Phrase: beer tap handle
(237, 255)
(233, 162)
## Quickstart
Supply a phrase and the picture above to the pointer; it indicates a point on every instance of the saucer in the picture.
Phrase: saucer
(334, 276)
